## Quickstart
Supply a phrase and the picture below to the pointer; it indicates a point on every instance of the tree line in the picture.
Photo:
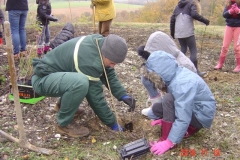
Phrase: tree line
(160, 11)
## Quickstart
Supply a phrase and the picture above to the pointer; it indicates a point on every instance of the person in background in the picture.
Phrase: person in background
(64, 35)
(104, 14)
(182, 27)
(75, 70)
(2, 26)
(17, 15)
(231, 14)
(160, 41)
(188, 105)
(44, 11)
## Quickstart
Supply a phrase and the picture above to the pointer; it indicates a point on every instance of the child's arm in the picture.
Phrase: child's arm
(43, 10)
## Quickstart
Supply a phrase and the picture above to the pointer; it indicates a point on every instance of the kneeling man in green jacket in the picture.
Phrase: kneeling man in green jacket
(75, 70)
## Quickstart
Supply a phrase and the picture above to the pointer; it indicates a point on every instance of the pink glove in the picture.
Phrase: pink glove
(232, 10)
(161, 147)
(234, 5)
(157, 122)
(236, 10)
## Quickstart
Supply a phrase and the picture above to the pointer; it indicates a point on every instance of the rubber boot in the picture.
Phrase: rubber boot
(237, 69)
(1, 38)
(190, 131)
(166, 127)
(220, 63)
(46, 48)
(40, 50)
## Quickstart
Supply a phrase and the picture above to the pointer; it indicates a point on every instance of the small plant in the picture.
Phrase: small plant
(2, 79)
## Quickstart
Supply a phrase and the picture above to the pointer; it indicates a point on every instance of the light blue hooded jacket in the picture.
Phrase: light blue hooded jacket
(191, 94)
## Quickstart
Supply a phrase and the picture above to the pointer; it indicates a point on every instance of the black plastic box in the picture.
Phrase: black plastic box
(134, 149)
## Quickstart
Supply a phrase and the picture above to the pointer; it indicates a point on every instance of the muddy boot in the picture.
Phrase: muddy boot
(73, 130)
(220, 63)
(190, 131)
(237, 69)
(166, 127)
(79, 112)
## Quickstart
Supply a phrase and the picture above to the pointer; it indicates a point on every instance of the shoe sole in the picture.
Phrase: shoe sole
(72, 135)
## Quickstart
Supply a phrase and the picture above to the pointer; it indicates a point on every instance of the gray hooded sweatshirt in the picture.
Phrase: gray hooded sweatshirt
(161, 41)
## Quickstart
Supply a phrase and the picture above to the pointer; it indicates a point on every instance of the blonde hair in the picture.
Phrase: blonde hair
(199, 9)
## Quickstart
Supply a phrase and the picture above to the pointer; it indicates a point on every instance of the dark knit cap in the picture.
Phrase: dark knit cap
(114, 48)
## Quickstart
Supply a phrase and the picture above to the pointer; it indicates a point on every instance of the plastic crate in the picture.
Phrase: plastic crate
(26, 93)
(134, 149)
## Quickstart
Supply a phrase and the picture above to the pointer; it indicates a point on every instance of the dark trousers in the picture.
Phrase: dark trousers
(189, 42)
(166, 111)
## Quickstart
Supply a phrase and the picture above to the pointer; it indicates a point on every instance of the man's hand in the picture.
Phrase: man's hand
(117, 127)
(131, 102)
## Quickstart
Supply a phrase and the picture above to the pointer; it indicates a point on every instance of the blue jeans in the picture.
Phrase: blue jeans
(45, 35)
(17, 19)
(152, 91)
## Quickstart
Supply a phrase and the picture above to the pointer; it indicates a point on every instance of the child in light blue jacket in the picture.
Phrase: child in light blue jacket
(188, 105)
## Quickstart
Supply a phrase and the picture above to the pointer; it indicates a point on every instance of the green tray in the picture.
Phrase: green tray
(29, 100)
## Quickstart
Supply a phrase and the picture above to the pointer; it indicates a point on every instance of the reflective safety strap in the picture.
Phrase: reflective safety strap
(75, 58)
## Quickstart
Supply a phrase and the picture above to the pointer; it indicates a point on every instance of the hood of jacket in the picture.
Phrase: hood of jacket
(164, 64)
(182, 3)
(161, 41)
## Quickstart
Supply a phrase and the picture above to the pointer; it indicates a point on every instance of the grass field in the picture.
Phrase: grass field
(77, 4)
(72, 11)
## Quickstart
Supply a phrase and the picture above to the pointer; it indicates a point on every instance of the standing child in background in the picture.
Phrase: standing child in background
(232, 31)
(1, 23)
(182, 27)
(44, 16)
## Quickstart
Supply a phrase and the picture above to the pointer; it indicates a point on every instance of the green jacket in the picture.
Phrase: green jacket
(61, 59)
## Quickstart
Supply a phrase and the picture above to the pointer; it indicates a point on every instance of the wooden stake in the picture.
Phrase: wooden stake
(22, 141)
